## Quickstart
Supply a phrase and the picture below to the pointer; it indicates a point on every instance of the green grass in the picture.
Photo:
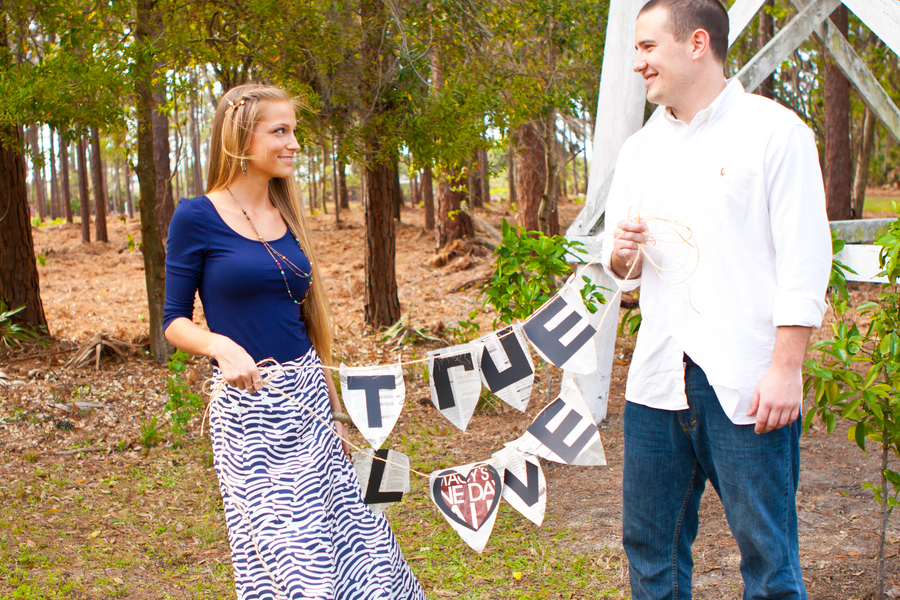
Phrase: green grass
(129, 526)
(881, 203)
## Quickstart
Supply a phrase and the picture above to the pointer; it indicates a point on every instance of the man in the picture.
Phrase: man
(717, 211)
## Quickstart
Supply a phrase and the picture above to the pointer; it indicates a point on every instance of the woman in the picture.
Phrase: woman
(297, 524)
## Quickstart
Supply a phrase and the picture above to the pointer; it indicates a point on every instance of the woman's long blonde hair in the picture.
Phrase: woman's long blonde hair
(239, 112)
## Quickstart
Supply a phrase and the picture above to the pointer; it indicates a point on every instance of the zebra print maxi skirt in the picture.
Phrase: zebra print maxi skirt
(297, 524)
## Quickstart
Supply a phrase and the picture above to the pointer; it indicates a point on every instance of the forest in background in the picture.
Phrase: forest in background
(108, 105)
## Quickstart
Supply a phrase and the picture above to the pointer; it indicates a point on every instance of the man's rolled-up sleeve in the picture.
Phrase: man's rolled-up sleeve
(799, 225)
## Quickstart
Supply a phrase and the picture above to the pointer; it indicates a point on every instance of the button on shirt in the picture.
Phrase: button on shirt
(735, 206)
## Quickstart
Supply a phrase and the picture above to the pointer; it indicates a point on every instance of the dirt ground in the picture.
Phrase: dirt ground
(99, 288)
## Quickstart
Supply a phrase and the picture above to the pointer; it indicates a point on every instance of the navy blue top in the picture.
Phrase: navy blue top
(242, 290)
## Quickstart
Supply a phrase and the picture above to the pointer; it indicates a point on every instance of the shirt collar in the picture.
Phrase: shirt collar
(726, 98)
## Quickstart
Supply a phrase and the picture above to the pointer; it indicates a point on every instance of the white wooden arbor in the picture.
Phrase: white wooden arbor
(621, 109)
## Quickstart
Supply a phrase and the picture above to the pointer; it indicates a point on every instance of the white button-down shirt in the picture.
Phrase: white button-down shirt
(744, 178)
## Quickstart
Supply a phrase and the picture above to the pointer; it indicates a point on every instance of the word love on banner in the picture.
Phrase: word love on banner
(561, 434)
(374, 398)
(560, 331)
(468, 498)
(383, 475)
(524, 486)
(456, 382)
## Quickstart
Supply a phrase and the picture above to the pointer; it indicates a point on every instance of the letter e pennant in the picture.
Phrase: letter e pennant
(561, 332)
(562, 434)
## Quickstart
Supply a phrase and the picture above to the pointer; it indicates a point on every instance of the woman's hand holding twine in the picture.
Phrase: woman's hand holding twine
(237, 366)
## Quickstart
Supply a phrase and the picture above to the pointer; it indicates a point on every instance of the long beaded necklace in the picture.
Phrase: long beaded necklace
(278, 257)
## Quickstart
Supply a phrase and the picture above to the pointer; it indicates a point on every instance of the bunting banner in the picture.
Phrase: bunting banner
(468, 498)
(374, 398)
(506, 366)
(562, 434)
(561, 332)
(456, 382)
(524, 486)
(383, 475)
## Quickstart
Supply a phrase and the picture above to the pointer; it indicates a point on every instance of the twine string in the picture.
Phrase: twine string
(269, 368)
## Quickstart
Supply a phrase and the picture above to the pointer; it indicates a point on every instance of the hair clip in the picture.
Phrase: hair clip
(233, 105)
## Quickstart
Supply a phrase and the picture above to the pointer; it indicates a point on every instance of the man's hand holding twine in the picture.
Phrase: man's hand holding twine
(626, 259)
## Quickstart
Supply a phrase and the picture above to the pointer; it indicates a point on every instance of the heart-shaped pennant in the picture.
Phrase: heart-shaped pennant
(468, 498)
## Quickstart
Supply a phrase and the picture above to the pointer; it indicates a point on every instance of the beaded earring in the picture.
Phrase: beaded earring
(244, 167)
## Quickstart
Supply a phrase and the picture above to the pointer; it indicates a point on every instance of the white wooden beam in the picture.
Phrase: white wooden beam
(739, 16)
(620, 106)
(862, 258)
(882, 17)
(855, 70)
(594, 388)
(784, 42)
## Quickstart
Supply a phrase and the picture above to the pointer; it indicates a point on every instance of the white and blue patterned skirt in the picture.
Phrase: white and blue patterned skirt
(296, 520)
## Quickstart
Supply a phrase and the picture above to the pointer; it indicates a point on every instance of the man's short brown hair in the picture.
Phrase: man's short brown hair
(687, 16)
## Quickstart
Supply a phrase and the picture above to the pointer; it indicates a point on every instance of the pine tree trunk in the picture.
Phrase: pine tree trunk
(548, 216)
(83, 191)
(324, 179)
(428, 198)
(531, 174)
(165, 204)
(485, 177)
(382, 307)
(511, 173)
(313, 187)
(54, 180)
(37, 173)
(66, 187)
(453, 222)
(861, 181)
(838, 183)
(342, 185)
(196, 170)
(765, 32)
(100, 199)
(129, 199)
(152, 245)
(396, 192)
(19, 281)
(476, 189)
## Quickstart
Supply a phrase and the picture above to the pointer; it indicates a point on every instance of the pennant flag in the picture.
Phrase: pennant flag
(506, 366)
(561, 332)
(524, 486)
(468, 498)
(561, 434)
(374, 398)
(455, 382)
(383, 475)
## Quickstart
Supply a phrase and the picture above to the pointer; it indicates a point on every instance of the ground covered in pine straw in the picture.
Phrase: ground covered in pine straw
(90, 509)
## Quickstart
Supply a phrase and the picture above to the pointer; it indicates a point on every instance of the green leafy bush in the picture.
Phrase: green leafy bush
(528, 265)
(857, 377)
(183, 403)
(12, 333)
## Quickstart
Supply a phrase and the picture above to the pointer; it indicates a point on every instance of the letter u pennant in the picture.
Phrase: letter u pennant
(456, 382)
(374, 398)
(468, 497)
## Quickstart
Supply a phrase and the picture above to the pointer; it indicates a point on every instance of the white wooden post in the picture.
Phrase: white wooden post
(620, 108)
(620, 113)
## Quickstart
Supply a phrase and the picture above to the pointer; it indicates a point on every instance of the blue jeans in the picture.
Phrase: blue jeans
(669, 456)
